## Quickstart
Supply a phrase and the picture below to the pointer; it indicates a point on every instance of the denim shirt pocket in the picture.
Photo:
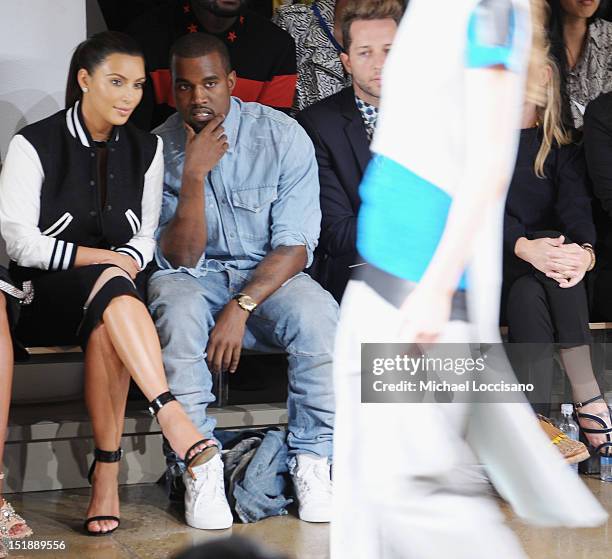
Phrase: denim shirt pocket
(252, 207)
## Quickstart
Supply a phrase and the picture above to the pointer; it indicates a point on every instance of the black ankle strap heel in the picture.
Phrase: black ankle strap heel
(107, 457)
(159, 402)
(606, 447)
(199, 457)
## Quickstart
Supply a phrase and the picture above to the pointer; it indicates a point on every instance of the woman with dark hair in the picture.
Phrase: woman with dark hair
(80, 196)
(581, 43)
(549, 235)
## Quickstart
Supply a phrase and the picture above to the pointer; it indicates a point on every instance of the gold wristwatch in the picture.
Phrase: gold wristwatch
(245, 302)
(589, 248)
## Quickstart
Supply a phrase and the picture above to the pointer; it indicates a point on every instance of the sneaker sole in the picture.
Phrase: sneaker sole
(191, 521)
(315, 519)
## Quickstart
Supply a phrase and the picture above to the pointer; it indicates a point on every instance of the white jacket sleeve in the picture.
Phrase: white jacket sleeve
(141, 246)
(20, 186)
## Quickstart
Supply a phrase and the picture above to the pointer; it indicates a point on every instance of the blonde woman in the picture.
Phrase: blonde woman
(549, 235)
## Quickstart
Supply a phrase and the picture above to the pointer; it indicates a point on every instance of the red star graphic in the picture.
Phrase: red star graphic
(186, 8)
(231, 36)
(241, 20)
(192, 28)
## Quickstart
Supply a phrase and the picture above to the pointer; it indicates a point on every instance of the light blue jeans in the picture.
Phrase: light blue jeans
(299, 318)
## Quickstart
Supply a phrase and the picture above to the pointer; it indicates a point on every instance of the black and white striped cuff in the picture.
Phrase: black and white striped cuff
(63, 256)
(134, 253)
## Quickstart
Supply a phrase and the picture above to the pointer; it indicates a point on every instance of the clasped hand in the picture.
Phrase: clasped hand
(565, 263)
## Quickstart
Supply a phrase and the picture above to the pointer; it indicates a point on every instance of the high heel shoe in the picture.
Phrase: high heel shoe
(9, 519)
(108, 458)
(606, 429)
(200, 456)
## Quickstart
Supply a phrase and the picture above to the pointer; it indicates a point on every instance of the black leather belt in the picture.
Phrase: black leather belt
(394, 289)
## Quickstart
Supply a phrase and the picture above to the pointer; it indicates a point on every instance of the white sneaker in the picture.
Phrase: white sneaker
(313, 487)
(206, 506)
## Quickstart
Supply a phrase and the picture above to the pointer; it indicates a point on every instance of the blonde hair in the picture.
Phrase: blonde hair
(538, 55)
(549, 115)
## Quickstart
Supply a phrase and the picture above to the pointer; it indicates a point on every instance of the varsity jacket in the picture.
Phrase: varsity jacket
(50, 199)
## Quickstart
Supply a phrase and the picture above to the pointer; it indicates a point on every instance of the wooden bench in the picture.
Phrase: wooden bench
(57, 354)
(70, 350)
(593, 326)
(220, 381)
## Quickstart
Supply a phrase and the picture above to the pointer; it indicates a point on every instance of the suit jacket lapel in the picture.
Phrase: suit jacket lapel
(355, 130)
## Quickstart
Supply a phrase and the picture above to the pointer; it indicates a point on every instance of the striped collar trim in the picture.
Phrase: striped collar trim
(77, 128)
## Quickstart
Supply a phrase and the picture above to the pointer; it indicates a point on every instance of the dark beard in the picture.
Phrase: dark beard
(198, 126)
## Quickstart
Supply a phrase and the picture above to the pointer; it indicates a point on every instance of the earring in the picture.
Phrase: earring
(85, 90)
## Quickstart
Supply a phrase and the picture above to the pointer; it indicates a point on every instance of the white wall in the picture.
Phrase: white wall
(37, 38)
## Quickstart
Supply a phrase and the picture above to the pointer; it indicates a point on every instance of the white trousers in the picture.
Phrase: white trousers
(402, 472)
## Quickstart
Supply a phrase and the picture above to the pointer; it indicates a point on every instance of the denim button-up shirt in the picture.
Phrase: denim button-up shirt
(263, 193)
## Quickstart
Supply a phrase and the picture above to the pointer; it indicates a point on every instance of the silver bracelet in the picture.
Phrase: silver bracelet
(25, 295)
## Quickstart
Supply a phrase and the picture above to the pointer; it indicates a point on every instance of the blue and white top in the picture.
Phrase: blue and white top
(421, 132)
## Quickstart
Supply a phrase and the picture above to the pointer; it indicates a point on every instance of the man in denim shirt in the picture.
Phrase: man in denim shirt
(240, 221)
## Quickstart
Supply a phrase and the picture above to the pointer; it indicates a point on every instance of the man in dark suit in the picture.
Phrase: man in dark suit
(341, 128)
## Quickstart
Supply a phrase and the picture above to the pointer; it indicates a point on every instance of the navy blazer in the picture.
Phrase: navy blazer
(598, 151)
(338, 133)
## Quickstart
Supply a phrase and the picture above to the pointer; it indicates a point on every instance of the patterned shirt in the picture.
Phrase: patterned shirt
(592, 75)
(369, 113)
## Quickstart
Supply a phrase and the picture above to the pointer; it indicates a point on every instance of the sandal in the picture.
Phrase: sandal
(9, 519)
(106, 457)
(198, 457)
(606, 428)
(572, 451)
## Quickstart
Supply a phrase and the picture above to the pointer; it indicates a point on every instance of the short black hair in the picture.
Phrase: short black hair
(195, 45)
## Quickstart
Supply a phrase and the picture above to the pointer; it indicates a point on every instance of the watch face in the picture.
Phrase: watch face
(246, 303)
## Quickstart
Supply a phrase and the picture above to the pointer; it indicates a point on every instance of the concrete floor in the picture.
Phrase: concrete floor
(152, 528)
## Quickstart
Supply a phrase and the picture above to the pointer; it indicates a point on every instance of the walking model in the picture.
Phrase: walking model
(432, 203)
